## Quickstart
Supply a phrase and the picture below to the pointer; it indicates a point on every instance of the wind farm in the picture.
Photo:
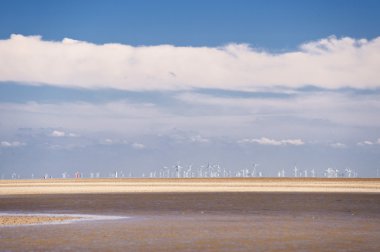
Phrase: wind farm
(208, 170)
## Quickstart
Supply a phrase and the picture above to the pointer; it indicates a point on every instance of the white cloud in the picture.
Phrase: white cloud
(117, 116)
(293, 142)
(138, 146)
(368, 142)
(199, 139)
(268, 141)
(7, 144)
(186, 137)
(57, 133)
(67, 146)
(108, 141)
(327, 63)
(114, 141)
(60, 133)
(364, 143)
(335, 107)
(338, 145)
(307, 115)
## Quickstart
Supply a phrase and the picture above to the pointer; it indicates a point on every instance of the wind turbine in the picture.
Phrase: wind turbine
(225, 173)
(166, 172)
(218, 170)
(331, 173)
(201, 171)
(313, 173)
(187, 173)
(295, 171)
(209, 170)
(328, 173)
(254, 169)
(178, 168)
(152, 174)
(245, 173)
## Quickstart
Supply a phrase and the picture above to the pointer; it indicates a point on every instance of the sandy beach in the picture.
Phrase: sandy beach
(64, 186)
(9, 220)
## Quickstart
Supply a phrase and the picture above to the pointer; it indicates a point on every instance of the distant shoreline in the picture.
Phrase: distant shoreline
(138, 185)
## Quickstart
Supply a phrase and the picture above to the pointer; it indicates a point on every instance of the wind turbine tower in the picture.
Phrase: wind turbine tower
(313, 173)
(254, 169)
(178, 170)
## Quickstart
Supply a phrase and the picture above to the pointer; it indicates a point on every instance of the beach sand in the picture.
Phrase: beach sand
(235, 215)
(65, 186)
(11, 220)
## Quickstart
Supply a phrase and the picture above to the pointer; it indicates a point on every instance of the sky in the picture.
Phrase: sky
(133, 86)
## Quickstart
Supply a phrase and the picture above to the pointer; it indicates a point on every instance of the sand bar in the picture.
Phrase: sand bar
(68, 186)
(17, 219)
(10, 220)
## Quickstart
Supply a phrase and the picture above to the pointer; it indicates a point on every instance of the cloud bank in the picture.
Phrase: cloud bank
(368, 142)
(138, 146)
(328, 63)
(268, 141)
(59, 133)
(338, 145)
(7, 144)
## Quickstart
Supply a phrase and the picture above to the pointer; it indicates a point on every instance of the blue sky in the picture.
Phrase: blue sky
(105, 86)
(274, 25)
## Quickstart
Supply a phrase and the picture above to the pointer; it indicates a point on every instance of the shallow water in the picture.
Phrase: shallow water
(200, 222)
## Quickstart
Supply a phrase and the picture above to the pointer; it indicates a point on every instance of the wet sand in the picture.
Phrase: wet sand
(199, 221)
